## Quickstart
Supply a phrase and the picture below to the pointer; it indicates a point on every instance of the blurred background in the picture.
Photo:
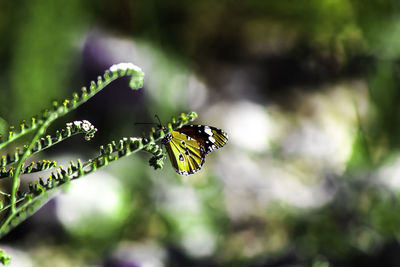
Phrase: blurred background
(308, 92)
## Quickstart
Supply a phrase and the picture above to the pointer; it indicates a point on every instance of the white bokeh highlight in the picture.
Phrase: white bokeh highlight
(98, 195)
(250, 127)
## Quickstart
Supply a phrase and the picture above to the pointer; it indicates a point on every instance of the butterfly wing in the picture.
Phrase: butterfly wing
(186, 154)
(209, 137)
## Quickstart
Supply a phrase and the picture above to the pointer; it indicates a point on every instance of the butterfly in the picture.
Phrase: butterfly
(188, 146)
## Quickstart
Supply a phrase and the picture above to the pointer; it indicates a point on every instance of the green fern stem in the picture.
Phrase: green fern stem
(48, 116)
(109, 153)
(61, 108)
(25, 155)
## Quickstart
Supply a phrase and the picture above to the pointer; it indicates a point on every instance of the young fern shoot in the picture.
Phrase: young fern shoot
(16, 205)
(41, 190)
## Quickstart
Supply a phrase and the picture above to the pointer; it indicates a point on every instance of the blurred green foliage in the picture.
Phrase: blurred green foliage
(44, 34)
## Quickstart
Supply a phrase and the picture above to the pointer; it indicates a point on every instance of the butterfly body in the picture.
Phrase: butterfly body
(188, 146)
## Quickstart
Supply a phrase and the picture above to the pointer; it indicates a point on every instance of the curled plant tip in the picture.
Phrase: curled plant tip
(129, 69)
(84, 127)
(20, 206)
(125, 67)
(72, 128)
(60, 108)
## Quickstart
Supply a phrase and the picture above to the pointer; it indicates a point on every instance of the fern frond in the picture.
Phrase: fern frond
(28, 204)
(48, 116)
(72, 128)
(60, 108)
(41, 190)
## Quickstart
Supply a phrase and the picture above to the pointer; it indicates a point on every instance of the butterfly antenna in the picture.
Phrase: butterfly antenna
(159, 121)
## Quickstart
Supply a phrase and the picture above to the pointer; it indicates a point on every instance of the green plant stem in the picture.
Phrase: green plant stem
(61, 112)
(111, 152)
(27, 153)
(43, 144)
(50, 191)
(12, 215)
